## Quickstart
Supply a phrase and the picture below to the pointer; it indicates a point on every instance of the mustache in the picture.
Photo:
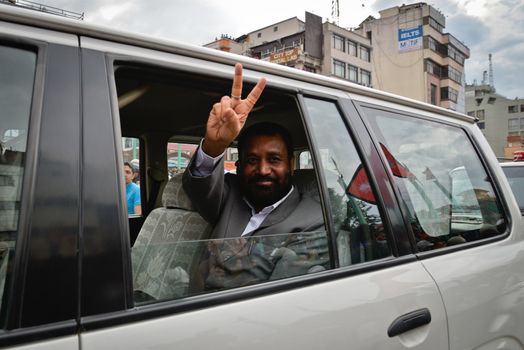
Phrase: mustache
(258, 178)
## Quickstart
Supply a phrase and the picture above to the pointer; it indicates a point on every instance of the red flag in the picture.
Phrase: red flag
(396, 168)
(359, 186)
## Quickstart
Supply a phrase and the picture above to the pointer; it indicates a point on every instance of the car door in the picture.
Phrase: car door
(473, 250)
(362, 290)
(39, 187)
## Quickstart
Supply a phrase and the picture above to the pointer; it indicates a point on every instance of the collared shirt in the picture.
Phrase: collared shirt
(204, 165)
(258, 218)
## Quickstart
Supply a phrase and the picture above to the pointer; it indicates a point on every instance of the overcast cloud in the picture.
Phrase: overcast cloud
(485, 26)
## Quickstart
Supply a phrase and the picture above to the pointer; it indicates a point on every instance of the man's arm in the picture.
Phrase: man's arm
(205, 184)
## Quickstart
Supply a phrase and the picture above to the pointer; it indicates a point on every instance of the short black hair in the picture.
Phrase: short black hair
(265, 129)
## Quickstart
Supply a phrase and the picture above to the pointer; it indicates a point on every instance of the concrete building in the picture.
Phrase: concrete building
(501, 119)
(412, 56)
(405, 52)
(317, 47)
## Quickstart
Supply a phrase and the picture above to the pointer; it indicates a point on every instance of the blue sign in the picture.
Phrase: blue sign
(410, 39)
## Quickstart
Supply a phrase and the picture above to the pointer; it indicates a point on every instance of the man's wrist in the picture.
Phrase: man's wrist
(212, 149)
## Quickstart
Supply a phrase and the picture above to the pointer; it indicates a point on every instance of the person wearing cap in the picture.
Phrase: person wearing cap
(132, 190)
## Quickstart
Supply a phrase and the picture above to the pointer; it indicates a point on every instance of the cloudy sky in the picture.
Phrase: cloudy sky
(485, 26)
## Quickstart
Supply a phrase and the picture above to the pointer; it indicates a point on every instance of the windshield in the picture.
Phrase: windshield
(515, 175)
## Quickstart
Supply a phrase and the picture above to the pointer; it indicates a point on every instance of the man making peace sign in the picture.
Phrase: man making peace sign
(261, 199)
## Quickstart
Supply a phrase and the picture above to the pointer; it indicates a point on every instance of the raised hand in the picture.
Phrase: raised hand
(228, 117)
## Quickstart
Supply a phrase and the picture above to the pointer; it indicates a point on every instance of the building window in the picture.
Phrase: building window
(448, 93)
(353, 73)
(481, 114)
(352, 48)
(471, 114)
(481, 125)
(433, 68)
(456, 55)
(433, 94)
(492, 100)
(275, 28)
(513, 124)
(259, 35)
(364, 53)
(521, 123)
(433, 24)
(339, 68)
(513, 109)
(365, 77)
(338, 42)
(434, 45)
(452, 73)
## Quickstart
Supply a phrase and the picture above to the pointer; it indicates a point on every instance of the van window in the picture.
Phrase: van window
(448, 194)
(359, 228)
(17, 71)
(176, 253)
(131, 156)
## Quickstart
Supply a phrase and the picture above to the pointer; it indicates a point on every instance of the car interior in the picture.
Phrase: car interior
(159, 106)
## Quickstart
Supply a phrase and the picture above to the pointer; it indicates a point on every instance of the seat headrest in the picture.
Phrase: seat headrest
(306, 182)
(174, 195)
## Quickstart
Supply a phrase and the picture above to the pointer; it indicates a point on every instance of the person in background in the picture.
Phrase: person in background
(132, 190)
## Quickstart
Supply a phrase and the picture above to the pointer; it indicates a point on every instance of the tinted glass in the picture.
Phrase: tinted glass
(515, 175)
(449, 196)
(17, 71)
(359, 227)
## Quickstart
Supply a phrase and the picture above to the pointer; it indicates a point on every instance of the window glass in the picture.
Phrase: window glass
(339, 69)
(513, 124)
(448, 194)
(352, 48)
(515, 175)
(338, 42)
(513, 109)
(131, 156)
(353, 73)
(365, 77)
(359, 228)
(178, 156)
(364, 53)
(17, 72)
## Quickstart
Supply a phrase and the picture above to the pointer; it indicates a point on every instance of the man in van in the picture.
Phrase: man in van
(260, 201)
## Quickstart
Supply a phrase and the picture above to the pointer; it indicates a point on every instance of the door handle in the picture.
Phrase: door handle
(409, 321)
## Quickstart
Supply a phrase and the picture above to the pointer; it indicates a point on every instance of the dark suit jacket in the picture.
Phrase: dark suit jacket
(218, 199)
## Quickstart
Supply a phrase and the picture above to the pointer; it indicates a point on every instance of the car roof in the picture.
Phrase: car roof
(38, 19)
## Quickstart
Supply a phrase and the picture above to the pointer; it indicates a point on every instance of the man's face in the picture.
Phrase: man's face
(265, 170)
(128, 174)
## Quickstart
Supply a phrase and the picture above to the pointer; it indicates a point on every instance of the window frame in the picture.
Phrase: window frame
(481, 156)
(131, 313)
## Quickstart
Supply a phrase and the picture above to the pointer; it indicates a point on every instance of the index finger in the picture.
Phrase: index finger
(254, 95)
(236, 89)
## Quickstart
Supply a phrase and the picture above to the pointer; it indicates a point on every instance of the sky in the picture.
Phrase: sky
(485, 26)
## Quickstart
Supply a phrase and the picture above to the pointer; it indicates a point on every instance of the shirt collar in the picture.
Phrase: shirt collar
(271, 207)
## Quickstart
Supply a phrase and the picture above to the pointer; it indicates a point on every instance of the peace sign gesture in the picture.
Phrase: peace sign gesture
(228, 116)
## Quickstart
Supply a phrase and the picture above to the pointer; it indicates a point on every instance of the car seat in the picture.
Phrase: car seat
(167, 246)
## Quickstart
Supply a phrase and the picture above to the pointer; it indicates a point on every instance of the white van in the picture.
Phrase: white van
(396, 266)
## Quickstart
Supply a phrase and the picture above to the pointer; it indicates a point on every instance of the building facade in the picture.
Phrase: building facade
(405, 52)
(413, 57)
(317, 47)
(501, 119)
